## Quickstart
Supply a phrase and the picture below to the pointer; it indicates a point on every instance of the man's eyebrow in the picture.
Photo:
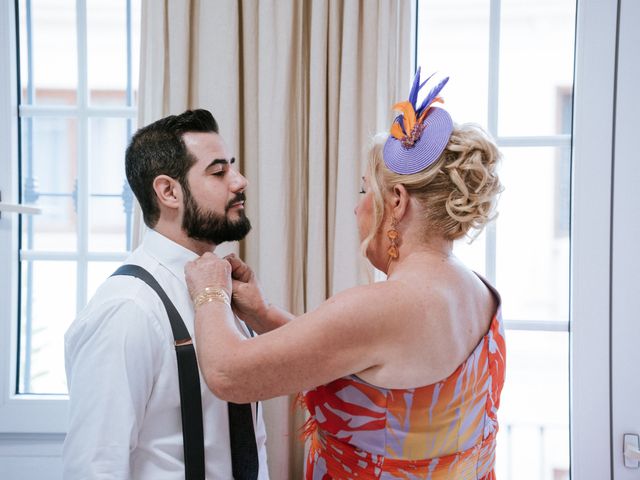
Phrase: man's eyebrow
(220, 160)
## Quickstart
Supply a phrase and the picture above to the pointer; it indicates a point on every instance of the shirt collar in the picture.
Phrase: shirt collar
(168, 253)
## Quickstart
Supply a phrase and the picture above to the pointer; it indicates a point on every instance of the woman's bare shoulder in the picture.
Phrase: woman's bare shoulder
(448, 316)
(376, 300)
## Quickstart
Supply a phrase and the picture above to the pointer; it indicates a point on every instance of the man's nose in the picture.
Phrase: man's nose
(239, 183)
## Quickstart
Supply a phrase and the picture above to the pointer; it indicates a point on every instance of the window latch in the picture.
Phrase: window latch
(18, 208)
(631, 450)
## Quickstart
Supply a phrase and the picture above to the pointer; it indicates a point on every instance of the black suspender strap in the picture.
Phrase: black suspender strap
(188, 377)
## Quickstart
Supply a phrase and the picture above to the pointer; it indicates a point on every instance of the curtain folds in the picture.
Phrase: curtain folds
(298, 87)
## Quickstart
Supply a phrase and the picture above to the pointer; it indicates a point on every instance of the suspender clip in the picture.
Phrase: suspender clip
(183, 342)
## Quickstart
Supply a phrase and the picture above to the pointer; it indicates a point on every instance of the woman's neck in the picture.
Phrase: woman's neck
(440, 251)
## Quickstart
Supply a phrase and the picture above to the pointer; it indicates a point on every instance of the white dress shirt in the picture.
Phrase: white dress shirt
(125, 420)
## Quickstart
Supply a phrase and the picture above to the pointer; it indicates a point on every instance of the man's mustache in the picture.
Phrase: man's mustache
(240, 197)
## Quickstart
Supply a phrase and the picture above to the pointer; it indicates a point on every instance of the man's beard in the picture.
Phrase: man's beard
(210, 226)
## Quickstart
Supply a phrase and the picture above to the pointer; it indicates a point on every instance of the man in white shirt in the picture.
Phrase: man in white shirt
(125, 418)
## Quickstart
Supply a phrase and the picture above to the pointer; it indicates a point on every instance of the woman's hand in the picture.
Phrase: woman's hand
(248, 301)
(208, 271)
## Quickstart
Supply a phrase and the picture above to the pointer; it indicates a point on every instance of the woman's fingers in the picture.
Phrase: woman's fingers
(208, 271)
(239, 269)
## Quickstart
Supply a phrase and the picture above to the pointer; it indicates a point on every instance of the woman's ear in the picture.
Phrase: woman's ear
(399, 201)
(168, 191)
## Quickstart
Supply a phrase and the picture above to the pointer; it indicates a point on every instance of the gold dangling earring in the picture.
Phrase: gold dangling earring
(393, 236)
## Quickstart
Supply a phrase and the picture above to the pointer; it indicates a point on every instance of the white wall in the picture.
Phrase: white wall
(30, 457)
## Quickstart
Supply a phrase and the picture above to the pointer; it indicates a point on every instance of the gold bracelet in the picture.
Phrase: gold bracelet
(211, 294)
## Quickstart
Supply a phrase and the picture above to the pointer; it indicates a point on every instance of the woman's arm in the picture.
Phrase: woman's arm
(347, 334)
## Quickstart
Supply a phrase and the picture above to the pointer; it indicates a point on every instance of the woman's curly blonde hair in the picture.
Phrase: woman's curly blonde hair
(457, 193)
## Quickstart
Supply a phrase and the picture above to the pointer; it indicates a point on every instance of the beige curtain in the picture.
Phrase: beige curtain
(298, 88)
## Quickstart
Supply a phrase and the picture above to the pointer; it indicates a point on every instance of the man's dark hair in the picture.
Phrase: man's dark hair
(158, 149)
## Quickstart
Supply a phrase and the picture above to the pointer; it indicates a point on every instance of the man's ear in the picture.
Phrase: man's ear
(399, 199)
(168, 190)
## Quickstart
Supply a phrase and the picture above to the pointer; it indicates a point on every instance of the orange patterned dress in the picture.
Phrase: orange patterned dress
(446, 430)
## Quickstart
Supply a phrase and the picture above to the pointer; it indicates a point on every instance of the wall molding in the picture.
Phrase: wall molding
(31, 444)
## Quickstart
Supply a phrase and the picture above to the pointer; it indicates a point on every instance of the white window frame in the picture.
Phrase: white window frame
(28, 413)
(594, 104)
(24, 413)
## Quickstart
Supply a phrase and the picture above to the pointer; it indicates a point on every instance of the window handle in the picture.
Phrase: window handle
(631, 450)
(19, 208)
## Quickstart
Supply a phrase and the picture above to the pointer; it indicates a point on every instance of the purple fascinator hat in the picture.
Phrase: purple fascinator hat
(419, 134)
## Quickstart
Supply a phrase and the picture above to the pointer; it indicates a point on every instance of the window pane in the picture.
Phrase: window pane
(453, 38)
(49, 27)
(472, 252)
(527, 248)
(49, 180)
(536, 64)
(52, 154)
(48, 307)
(107, 51)
(111, 202)
(533, 441)
(532, 252)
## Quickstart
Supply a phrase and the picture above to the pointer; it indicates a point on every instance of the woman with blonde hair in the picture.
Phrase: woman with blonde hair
(402, 378)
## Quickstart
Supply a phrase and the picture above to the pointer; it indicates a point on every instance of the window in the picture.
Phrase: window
(510, 64)
(77, 88)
